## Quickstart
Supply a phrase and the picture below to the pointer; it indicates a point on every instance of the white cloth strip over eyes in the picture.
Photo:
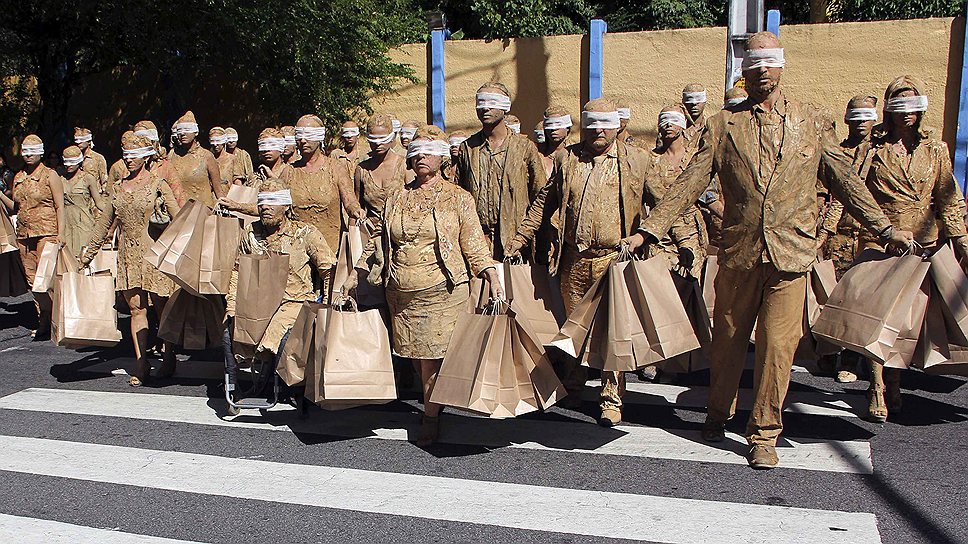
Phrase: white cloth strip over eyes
(624, 113)
(697, 97)
(736, 101)
(290, 140)
(456, 140)
(186, 128)
(150, 133)
(311, 134)
(275, 198)
(272, 144)
(672, 118)
(83, 138)
(138, 153)
(408, 132)
(73, 161)
(229, 137)
(396, 125)
(758, 58)
(861, 114)
(439, 148)
(515, 128)
(380, 140)
(600, 119)
(218, 140)
(539, 136)
(560, 121)
(493, 101)
(349, 132)
(907, 104)
(29, 150)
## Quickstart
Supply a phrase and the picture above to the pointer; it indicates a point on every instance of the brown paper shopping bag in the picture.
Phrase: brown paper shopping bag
(351, 245)
(299, 346)
(13, 280)
(952, 288)
(537, 299)
(262, 286)
(481, 373)
(313, 373)
(192, 322)
(691, 294)
(526, 348)
(170, 246)
(657, 304)
(709, 272)
(574, 334)
(867, 310)
(357, 365)
(243, 195)
(83, 311)
(46, 268)
(219, 252)
(617, 349)
(903, 351)
(106, 260)
(8, 234)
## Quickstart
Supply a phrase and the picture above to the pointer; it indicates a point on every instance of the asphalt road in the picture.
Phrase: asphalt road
(107, 466)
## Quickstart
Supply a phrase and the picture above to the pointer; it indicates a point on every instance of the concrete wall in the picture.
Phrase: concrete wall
(826, 65)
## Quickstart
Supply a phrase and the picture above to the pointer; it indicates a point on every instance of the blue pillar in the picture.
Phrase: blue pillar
(596, 58)
(773, 21)
(961, 137)
(438, 96)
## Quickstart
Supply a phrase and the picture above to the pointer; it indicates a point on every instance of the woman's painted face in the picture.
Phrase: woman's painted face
(381, 131)
(905, 119)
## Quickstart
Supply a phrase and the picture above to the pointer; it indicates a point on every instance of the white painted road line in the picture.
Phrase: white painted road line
(20, 530)
(560, 510)
(635, 441)
(816, 403)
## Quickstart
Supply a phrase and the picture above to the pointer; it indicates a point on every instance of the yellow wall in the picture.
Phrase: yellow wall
(826, 65)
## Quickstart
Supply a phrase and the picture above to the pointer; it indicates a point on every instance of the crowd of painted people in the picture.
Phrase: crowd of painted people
(764, 183)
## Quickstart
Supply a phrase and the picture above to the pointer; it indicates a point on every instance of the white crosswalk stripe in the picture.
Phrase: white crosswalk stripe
(571, 511)
(21, 530)
(636, 441)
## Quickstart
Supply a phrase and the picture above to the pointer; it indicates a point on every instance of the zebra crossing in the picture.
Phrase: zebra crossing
(569, 511)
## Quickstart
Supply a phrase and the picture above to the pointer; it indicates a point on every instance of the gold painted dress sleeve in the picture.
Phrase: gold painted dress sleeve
(319, 252)
(473, 244)
(947, 195)
(101, 230)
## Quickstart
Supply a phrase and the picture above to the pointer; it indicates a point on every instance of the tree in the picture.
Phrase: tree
(299, 56)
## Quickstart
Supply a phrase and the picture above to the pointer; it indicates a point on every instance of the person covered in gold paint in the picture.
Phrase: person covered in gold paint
(594, 200)
(226, 162)
(838, 237)
(134, 200)
(501, 169)
(768, 174)
(694, 99)
(82, 198)
(291, 153)
(38, 201)
(243, 169)
(911, 179)
(555, 128)
(350, 149)
(382, 172)
(685, 244)
(430, 243)
(194, 173)
(94, 162)
(321, 187)
(278, 232)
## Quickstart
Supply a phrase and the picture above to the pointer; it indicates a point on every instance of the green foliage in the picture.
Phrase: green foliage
(495, 19)
(878, 10)
(631, 15)
(299, 56)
